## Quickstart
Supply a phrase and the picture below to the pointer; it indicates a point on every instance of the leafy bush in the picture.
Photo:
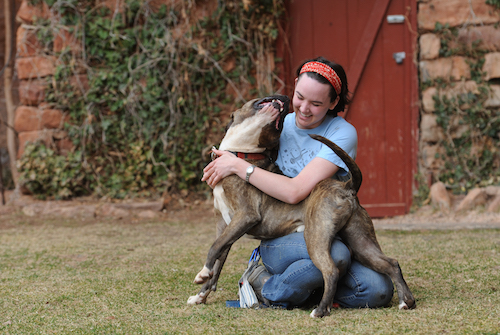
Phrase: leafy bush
(153, 88)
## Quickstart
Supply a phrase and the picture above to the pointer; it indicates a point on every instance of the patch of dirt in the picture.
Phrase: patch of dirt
(427, 217)
(200, 211)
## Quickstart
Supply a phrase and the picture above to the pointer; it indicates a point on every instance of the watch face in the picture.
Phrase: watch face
(250, 169)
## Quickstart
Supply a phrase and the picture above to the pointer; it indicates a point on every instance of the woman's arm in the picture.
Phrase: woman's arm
(286, 189)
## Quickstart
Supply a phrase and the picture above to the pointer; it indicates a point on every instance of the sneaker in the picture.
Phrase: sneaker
(257, 277)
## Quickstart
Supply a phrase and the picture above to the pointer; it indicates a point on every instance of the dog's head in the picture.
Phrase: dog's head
(251, 132)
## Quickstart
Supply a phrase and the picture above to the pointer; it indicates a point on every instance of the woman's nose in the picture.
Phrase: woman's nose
(303, 107)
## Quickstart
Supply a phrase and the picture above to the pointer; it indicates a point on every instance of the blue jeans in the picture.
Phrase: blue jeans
(295, 277)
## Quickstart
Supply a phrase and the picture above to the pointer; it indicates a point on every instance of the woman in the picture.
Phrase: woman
(289, 277)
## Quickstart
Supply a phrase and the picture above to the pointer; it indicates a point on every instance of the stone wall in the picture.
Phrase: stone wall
(35, 65)
(475, 20)
(475, 28)
(35, 120)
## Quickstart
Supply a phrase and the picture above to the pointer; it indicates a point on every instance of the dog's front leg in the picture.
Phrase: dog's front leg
(210, 285)
(240, 224)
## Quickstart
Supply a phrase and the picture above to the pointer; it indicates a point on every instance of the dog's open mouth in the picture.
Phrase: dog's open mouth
(278, 102)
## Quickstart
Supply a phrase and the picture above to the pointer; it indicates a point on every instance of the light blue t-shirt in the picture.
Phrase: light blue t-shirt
(297, 149)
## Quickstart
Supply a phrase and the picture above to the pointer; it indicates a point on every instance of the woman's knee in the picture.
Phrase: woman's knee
(375, 289)
(341, 256)
(381, 290)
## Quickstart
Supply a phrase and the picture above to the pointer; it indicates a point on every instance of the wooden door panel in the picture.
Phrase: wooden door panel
(355, 33)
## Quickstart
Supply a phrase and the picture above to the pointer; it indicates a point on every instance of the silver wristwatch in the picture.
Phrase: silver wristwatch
(250, 170)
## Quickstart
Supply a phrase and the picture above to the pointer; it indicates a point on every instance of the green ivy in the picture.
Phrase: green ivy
(472, 157)
(46, 173)
(494, 3)
(155, 92)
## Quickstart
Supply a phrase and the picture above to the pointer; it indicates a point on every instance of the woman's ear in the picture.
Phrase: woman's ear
(334, 103)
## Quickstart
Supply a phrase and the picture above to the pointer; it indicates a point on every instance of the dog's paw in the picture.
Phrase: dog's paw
(202, 276)
(195, 300)
(317, 314)
(403, 305)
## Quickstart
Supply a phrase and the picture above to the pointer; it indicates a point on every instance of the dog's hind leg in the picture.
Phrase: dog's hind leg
(360, 236)
(318, 246)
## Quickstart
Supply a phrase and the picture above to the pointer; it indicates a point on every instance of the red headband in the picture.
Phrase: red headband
(325, 71)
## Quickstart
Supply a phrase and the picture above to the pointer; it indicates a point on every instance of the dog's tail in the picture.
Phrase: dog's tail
(356, 176)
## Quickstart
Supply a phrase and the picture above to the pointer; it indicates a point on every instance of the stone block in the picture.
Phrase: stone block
(27, 43)
(455, 13)
(492, 191)
(440, 197)
(431, 156)
(80, 211)
(428, 99)
(64, 39)
(475, 197)
(457, 127)
(80, 82)
(148, 214)
(27, 119)
(64, 145)
(491, 65)
(453, 92)
(494, 206)
(493, 100)
(109, 210)
(482, 37)
(113, 5)
(430, 131)
(32, 92)
(28, 12)
(35, 67)
(52, 118)
(454, 68)
(429, 46)
(459, 69)
(32, 118)
(26, 137)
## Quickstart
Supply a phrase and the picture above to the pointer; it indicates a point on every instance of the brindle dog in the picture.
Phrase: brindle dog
(331, 208)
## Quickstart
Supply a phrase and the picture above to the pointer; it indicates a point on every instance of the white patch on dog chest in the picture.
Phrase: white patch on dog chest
(220, 203)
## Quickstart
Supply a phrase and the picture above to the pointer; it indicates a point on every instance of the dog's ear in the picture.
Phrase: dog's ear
(231, 120)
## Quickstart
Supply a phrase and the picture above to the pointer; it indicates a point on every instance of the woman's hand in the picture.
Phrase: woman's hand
(219, 168)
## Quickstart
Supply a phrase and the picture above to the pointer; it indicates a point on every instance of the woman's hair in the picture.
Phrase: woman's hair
(339, 70)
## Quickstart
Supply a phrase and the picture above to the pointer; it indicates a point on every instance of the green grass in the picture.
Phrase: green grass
(116, 277)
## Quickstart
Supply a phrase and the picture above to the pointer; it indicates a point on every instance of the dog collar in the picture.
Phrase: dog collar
(242, 155)
(250, 156)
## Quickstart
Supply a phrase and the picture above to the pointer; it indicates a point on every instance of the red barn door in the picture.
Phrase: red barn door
(374, 40)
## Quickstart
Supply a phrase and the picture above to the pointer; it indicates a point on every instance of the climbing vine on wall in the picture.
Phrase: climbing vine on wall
(156, 82)
(471, 141)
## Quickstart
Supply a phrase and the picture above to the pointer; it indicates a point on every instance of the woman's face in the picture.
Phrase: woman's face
(311, 102)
